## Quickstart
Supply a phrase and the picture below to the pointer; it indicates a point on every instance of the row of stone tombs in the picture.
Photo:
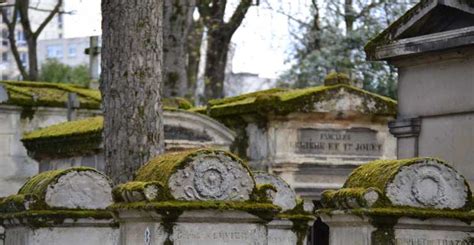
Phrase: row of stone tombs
(328, 131)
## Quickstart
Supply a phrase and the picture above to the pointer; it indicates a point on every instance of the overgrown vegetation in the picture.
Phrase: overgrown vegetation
(55, 71)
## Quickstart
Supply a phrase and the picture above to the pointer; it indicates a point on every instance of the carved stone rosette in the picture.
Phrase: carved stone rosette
(428, 184)
(211, 177)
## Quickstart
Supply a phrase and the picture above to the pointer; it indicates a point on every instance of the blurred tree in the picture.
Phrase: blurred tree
(54, 71)
(19, 12)
(219, 35)
(177, 24)
(335, 41)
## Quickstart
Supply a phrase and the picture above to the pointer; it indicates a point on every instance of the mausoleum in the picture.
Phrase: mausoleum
(313, 137)
(432, 45)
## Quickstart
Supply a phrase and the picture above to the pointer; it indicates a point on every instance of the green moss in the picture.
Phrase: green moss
(298, 100)
(38, 184)
(18, 203)
(92, 125)
(177, 102)
(340, 198)
(50, 218)
(245, 97)
(262, 192)
(198, 109)
(160, 168)
(31, 94)
(265, 211)
(138, 187)
(334, 78)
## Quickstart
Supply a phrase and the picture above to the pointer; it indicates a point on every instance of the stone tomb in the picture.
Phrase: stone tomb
(194, 197)
(60, 207)
(412, 201)
(313, 137)
(79, 143)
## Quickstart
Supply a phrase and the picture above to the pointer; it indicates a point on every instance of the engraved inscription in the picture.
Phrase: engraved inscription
(423, 241)
(354, 141)
(225, 234)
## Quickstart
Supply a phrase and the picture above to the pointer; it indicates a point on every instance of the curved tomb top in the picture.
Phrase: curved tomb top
(74, 188)
(417, 182)
(285, 196)
(203, 174)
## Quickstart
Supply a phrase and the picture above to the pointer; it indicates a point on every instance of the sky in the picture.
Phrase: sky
(262, 43)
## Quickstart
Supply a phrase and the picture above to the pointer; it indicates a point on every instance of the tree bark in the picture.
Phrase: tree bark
(131, 84)
(177, 20)
(216, 61)
(194, 54)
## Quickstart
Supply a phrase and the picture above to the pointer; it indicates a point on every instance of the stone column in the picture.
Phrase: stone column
(60, 207)
(406, 131)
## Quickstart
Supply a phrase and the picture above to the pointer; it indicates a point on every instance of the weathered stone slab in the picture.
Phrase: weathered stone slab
(194, 227)
(285, 196)
(280, 233)
(354, 142)
(3, 94)
(75, 188)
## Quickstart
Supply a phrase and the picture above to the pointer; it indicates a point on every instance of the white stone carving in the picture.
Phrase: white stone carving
(80, 189)
(428, 184)
(285, 196)
(212, 177)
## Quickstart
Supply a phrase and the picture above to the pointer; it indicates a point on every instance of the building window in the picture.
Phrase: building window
(54, 51)
(24, 58)
(72, 51)
(5, 57)
(20, 37)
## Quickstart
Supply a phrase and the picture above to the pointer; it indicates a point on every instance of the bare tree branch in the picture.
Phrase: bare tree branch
(48, 18)
(11, 38)
(238, 16)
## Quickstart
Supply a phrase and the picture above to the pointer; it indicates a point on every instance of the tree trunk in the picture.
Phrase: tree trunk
(177, 20)
(194, 54)
(349, 16)
(131, 85)
(32, 59)
(216, 61)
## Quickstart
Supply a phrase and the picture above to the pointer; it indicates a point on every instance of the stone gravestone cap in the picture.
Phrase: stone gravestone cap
(418, 182)
(285, 196)
(204, 174)
(74, 188)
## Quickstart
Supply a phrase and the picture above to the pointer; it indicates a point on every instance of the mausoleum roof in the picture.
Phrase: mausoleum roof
(284, 101)
(430, 25)
(32, 94)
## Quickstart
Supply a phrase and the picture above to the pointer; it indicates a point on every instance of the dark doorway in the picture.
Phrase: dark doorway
(319, 234)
